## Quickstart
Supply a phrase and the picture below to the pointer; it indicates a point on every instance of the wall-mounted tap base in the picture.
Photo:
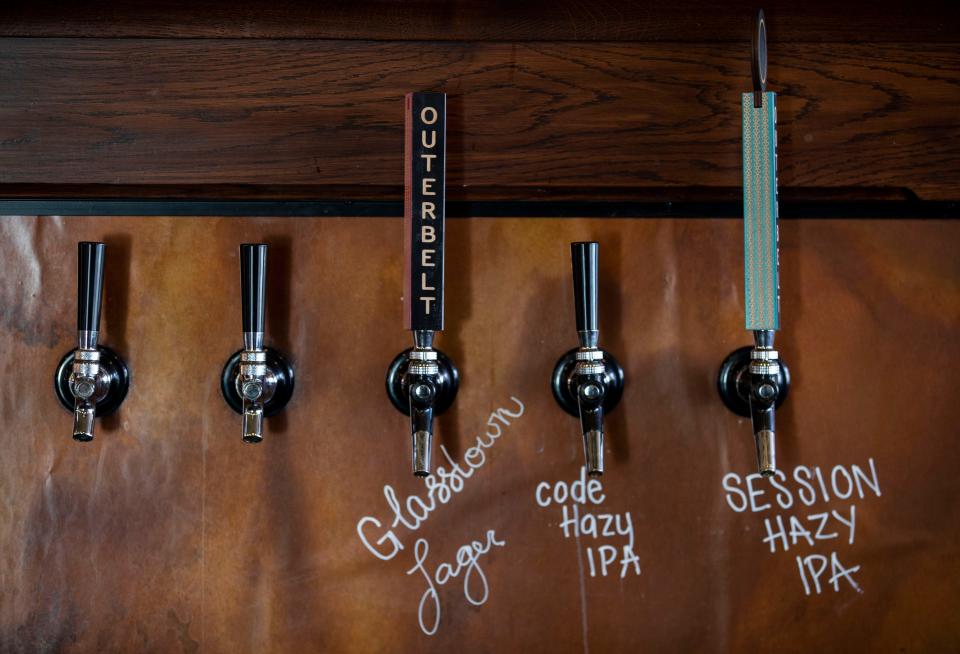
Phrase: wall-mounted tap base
(280, 366)
(733, 382)
(116, 370)
(564, 370)
(447, 391)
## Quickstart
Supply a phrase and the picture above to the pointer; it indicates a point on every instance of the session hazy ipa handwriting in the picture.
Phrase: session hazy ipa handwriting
(805, 487)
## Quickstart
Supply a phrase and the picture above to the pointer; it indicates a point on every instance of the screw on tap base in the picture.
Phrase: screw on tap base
(276, 364)
(566, 368)
(446, 386)
(733, 380)
(113, 373)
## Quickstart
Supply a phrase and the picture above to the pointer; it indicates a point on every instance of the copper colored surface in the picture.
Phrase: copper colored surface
(167, 534)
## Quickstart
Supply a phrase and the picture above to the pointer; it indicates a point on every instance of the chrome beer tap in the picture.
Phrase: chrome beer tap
(753, 381)
(587, 381)
(422, 381)
(257, 381)
(91, 380)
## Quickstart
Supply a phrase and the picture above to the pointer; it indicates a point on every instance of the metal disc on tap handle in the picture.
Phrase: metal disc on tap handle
(563, 370)
(117, 372)
(448, 376)
(280, 366)
(733, 381)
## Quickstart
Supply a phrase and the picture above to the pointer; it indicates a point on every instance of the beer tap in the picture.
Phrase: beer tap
(753, 382)
(257, 381)
(422, 381)
(587, 381)
(92, 380)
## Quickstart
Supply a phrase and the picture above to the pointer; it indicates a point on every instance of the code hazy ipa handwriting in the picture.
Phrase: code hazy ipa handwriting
(415, 511)
(577, 522)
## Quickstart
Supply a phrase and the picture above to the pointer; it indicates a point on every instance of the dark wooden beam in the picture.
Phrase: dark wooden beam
(472, 20)
(592, 118)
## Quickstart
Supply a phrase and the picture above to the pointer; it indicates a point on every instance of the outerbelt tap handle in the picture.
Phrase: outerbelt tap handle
(424, 210)
(89, 292)
(585, 258)
(253, 290)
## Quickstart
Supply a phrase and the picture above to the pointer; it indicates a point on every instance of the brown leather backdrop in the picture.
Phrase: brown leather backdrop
(168, 534)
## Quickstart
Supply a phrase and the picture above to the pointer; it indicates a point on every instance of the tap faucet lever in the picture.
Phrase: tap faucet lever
(422, 381)
(587, 381)
(585, 258)
(257, 381)
(91, 380)
(253, 293)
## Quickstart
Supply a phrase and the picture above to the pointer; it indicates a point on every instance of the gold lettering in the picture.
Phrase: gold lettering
(433, 138)
(428, 111)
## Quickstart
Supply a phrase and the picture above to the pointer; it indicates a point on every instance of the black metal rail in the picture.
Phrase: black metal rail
(868, 210)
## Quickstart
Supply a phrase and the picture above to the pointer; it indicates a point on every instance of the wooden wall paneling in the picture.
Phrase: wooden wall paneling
(525, 119)
(167, 533)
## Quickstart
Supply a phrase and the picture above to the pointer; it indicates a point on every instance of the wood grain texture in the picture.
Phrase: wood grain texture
(523, 117)
(470, 20)
(168, 534)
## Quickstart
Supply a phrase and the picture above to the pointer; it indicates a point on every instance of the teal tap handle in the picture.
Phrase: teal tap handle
(761, 259)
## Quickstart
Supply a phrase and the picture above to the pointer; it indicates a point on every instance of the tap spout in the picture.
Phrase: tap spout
(83, 420)
(256, 384)
(422, 383)
(591, 389)
(764, 391)
(252, 423)
(422, 378)
(88, 385)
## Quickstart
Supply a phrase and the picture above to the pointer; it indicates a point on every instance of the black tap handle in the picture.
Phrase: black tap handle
(585, 258)
(253, 285)
(424, 210)
(89, 285)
